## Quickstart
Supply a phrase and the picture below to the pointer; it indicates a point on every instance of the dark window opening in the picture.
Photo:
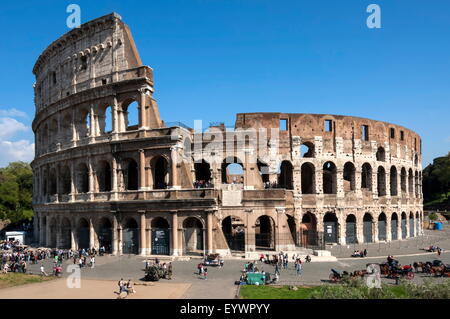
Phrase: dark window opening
(328, 125)
(392, 132)
(365, 132)
(402, 135)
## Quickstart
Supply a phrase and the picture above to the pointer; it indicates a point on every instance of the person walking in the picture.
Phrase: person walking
(92, 261)
(365, 252)
(169, 271)
(277, 269)
(205, 273)
(299, 267)
(43, 273)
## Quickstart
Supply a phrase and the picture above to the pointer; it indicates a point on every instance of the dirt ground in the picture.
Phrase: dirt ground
(92, 289)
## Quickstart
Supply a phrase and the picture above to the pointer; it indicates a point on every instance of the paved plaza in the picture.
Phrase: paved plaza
(101, 281)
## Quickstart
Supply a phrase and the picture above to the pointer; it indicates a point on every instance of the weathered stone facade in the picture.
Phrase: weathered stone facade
(100, 180)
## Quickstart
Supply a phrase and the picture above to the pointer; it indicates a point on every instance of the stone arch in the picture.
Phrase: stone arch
(308, 176)
(265, 233)
(394, 226)
(285, 177)
(366, 177)
(67, 134)
(83, 237)
(381, 178)
(193, 239)
(130, 236)
(160, 236)
(202, 173)
(368, 228)
(105, 234)
(160, 167)
(131, 174)
(65, 180)
(263, 170)
(83, 123)
(382, 227)
(66, 233)
(307, 150)
(393, 181)
(104, 176)
(309, 230)
(105, 119)
(233, 229)
(52, 181)
(381, 154)
(53, 232)
(404, 226)
(410, 182)
(82, 178)
(350, 229)
(232, 171)
(292, 224)
(417, 224)
(331, 227)
(329, 178)
(349, 177)
(403, 178)
(130, 109)
(53, 133)
(411, 225)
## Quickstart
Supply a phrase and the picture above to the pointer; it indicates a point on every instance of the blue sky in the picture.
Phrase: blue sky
(215, 58)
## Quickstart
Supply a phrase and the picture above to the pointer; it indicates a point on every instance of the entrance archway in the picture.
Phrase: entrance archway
(234, 231)
(160, 236)
(265, 233)
(66, 234)
(367, 228)
(404, 229)
(350, 229)
(193, 236)
(309, 230)
(382, 227)
(83, 234)
(104, 233)
(394, 226)
(330, 224)
(130, 237)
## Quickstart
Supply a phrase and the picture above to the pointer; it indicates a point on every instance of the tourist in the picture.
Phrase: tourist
(277, 269)
(199, 268)
(365, 253)
(43, 273)
(92, 261)
(205, 273)
(169, 271)
(130, 288)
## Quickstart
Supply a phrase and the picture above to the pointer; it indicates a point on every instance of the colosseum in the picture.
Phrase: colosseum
(139, 185)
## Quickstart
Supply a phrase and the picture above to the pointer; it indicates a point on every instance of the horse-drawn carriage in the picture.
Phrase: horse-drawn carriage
(213, 260)
(395, 270)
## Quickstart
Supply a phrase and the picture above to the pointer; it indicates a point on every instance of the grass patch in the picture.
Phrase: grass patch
(276, 292)
(354, 289)
(17, 279)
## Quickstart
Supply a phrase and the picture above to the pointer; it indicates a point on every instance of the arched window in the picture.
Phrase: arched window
(131, 115)
(131, 175)
(393, 179)
(381, 154)
(329, 178)
(82, 178)
(263, 169)
(232, 171)
(104, 176)
(160, 172)
(381, 176)
(286, 175)
(308, 178)
(349, 177)
(307, 150)
(202, 174)
(366, 177)
(106, 120)
(403, 177)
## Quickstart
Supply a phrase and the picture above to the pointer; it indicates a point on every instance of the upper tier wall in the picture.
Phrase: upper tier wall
(90, 56)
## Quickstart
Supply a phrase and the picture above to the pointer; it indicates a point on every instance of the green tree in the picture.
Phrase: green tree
(16, 192)
(436, 179)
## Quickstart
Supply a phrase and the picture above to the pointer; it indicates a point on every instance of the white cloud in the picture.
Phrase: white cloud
(12, 149)
(13, 113)
(9, 127)
(21, 150)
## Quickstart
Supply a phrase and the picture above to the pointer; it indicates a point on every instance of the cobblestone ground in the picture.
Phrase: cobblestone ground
(220, 282)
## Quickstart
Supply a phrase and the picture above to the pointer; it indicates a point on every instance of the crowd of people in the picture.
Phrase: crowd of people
(203, 184)
(360, 253)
